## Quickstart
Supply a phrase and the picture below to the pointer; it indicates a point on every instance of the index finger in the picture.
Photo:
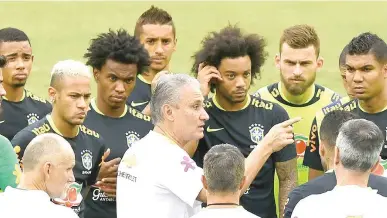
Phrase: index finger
(290, 121)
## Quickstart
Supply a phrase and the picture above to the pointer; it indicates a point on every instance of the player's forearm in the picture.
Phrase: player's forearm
(254, 163)
(285, 187)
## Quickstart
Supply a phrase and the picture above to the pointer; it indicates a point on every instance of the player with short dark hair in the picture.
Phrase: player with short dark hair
(228, 62)
(70, 93)
(9, 165)
(156, 31)
(366, 73)
(116, 58)
(20, 107)
(299, 61)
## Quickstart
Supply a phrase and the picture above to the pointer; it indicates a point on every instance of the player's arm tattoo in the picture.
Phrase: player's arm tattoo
(287, 176)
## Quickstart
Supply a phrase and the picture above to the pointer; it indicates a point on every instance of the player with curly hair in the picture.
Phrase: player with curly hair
(116, 58)
(227, 64)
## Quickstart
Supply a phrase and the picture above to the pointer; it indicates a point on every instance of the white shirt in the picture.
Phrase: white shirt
(235, 212)
(342, 202)
(19, 203)
(156, 178)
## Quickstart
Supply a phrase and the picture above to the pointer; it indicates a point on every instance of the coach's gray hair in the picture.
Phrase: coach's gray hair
(167, 91)
(360, 142)
(224, 168)
(69, 68)
(45, 147)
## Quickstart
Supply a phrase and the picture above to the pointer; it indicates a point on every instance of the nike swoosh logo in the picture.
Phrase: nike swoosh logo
(213, 130)
(133, 104)
(2, 121)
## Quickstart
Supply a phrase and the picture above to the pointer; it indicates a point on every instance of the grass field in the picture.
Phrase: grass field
(62, 30)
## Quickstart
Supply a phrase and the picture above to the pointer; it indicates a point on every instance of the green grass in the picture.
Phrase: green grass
(62, 30)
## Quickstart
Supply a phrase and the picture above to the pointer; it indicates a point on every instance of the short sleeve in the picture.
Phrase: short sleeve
(184, 178)
(9, 165)
(288, 152)
(312, 157)
(20, 142)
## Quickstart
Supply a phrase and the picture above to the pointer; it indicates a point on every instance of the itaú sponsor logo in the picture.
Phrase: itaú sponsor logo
(99, 195)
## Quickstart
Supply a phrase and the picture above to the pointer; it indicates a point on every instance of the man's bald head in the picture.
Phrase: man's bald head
(48, 147)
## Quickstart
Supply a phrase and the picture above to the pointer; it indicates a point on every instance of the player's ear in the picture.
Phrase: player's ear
(52, 93)
(242, 183)
(168, 112)
(384, 70)
(320, 63)
(47, 167)
(32, 58)
(204, 181)
(321, 149)
(174, 44)
(96, 74)
(277, 61)
(336, 157)
(376, 165)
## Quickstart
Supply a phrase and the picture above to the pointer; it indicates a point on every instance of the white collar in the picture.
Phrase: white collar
(26, 194)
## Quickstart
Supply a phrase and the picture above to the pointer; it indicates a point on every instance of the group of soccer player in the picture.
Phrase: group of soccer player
(126, 69)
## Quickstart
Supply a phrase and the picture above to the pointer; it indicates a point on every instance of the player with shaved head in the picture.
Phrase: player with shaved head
(48, 167)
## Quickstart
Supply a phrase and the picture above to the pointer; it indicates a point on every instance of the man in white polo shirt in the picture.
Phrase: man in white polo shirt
(156, 177)
(357, 150)
(48, 163)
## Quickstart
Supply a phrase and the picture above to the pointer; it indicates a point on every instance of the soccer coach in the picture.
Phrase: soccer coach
(156, 177)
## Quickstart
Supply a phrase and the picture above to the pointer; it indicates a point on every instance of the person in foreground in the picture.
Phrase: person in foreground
(171, 182)
(223, 179)
(329, 130)
(48, 167)
(356, 154)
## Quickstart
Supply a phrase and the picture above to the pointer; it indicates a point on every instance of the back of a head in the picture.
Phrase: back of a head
(118, 46)
(167, 91)
(45, 147)
(68, 68)
(369, 43)
(224, 168)
(11, 34)
(360, 142)
(300, 36)
(154, 15)
(231, 42)
(330, 125)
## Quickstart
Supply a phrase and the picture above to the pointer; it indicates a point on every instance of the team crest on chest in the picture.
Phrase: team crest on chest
(131, 137)
(87, 159)
(32, 118)
(256, 132)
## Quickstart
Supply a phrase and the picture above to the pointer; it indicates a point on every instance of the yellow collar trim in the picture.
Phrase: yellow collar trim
(286, 99)
(52, 124)
(361, 108)
(140, 77)
(24, 95)
(221, 108)
(94, 106)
